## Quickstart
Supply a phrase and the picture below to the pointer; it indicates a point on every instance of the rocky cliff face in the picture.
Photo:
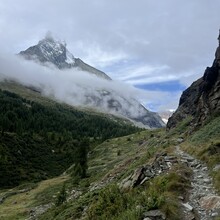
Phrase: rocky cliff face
(202, 99)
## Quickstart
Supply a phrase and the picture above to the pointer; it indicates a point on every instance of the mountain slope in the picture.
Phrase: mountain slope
(47, 137)
(48, 51)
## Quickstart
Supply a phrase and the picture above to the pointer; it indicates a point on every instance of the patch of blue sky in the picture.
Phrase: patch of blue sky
(170, 86)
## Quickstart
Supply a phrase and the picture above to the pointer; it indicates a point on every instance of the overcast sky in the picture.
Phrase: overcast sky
(155, 45)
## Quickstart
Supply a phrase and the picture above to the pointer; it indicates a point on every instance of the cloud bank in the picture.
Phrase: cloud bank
(144, 42)
(75, 87)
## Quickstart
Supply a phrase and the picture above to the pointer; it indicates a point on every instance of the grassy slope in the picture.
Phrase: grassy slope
(205, 145)
(32, 95)
(117, 158)
(46, 136)
(25, 92)
(19, 206)
(105, 159)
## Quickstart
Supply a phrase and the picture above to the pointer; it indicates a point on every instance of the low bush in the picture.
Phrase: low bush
(109, 203)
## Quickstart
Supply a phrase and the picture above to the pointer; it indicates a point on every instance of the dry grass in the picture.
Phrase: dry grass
(19, 206)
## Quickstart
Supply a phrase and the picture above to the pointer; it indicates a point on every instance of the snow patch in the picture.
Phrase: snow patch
(50, 47)
(69, 58)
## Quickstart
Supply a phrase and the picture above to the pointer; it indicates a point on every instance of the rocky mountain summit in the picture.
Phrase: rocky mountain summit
(202, 99)
(50, 51)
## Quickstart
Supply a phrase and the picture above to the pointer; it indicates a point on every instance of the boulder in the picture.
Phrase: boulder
(155, 215)
(210, 202)
(216, 168)
(135, 178)
(188, 206)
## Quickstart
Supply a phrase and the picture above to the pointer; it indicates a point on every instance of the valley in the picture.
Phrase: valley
(109, 160)
(108, 165)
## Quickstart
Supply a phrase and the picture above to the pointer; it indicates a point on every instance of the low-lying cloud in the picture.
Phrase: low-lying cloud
(79, 88)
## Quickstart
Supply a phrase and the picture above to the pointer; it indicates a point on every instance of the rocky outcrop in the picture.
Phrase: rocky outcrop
(202, 99)
(161, 163)
(154, 215)
(210, 202)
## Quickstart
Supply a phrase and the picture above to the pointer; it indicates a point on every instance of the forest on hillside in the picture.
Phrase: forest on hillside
(39, 141)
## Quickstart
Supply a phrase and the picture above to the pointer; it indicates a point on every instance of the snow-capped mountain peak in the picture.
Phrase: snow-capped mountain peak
(53, 48)
(51, 51)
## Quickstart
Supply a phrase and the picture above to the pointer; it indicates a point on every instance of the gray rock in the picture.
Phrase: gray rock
(198, 166)
(180, 197)
(169, 158)
(215, 214)
(204, 169)
(169, 164)
(200, 177)
(149, 173)
(155, 214)
(180, 140)
(216, 168)
(210, 202)
(134, 179)
(144, 180)
(207, 180)
(126, 184)
(188, 206)
(143, 174)
(184, 161)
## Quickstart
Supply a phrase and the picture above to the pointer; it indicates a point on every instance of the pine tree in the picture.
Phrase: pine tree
(5, 124)
(81, 165)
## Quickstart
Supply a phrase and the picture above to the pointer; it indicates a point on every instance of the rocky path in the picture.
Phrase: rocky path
(203, 203)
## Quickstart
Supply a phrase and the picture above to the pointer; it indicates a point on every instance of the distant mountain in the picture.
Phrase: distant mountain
(49, 51)
(202, 99)
(165, 115)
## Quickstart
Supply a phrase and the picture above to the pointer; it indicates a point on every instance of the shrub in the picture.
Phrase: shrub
(110, 202)
(61, 197)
